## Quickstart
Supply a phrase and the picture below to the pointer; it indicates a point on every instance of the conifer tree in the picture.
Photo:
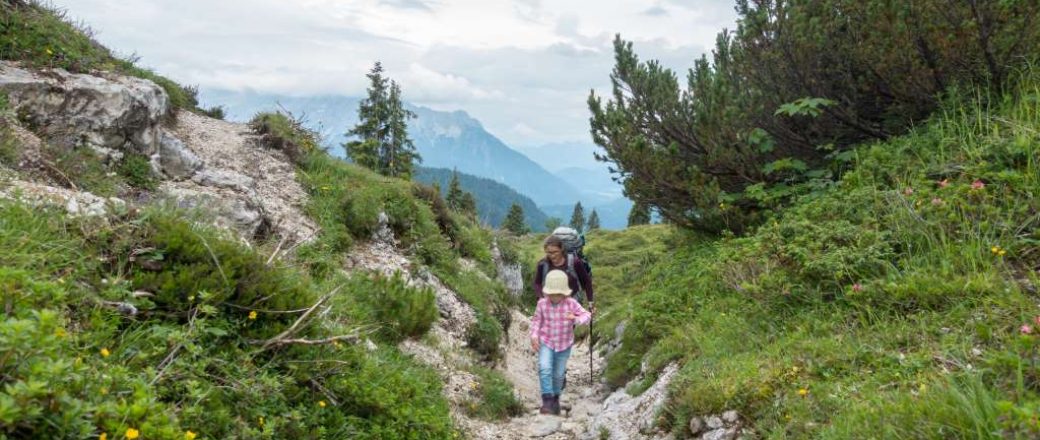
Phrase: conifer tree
(639, 215)
(382, 143)
(552, 223)
(578, 218)
(593, 223)
(455, 193)
(370, 130)
(469, 204)
(514, 221)
(399, 153)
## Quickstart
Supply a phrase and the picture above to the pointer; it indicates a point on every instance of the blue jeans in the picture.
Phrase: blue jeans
(552, 365)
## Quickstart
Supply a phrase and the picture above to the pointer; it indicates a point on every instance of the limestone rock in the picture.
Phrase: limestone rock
(221, 178)
(509, 273)
(720, 434)
(543, 426)
(696, 425)
(76, 203)
(713, 422)
(175, 159)
(101, 111)
(730, 417)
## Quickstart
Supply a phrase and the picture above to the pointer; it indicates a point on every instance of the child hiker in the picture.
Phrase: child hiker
(552, 335)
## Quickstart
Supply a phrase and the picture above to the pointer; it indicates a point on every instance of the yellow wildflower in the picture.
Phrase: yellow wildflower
(103, 436)
(189, 435)
(803, 392)
(261, 421)
(1001, 253)
(132, 433)
(49, 51)
(994, 249)
(321, 403)
(105, 352)
(252, 314)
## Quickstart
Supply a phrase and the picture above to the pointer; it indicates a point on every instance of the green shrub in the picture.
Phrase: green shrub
(497, 400)
(283, 132)
(215, 112)
(136, 169)
(76, 366)
(399, 310)
(84, 169)
(180, 261)
(483, 337)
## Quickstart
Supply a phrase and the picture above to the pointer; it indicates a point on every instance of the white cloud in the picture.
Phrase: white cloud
(522, 67)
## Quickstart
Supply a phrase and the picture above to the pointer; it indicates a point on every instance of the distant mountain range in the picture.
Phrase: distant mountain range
(454, 140)
(493, 199)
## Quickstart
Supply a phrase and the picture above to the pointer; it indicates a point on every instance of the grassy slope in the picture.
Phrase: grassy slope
(890, 305)
(189, 363)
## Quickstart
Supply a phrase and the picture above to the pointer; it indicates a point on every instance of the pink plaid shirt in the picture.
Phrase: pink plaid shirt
(551, 326)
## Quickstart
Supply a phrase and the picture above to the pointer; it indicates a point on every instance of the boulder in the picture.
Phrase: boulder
(730, 417)
(106, 112)
(175, 160)
(713, 422)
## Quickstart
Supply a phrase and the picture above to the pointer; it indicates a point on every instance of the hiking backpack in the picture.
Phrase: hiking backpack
(574, 248)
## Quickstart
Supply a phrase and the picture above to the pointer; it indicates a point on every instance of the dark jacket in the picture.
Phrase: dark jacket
(579, 269)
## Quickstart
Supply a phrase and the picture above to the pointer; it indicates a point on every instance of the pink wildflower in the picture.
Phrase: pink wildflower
(937, 201)
(908, 191)
(944, 183)
(977, 184)
(1037, 320)
(1025, 329)
(857, 287)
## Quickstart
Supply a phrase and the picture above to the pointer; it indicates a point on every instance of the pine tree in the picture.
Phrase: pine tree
(469, 204)
(578, 218)
(514, 221)
(593, 223)
(552, 223)
(382, 143)
(370, 130)
(639, 215)
(455, 193)
(399, 154)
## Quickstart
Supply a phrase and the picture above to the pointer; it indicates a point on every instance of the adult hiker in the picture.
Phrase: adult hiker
(552, 336)
(556, 258)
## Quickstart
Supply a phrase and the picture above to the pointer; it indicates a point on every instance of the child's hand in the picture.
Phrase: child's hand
(572, 316)
(534, 344)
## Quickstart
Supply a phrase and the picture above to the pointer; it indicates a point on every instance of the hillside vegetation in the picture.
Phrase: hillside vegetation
(898, 302)
(148, 323)
(493, 198)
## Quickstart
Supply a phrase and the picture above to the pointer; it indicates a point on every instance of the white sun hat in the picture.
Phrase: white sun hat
(556, 283)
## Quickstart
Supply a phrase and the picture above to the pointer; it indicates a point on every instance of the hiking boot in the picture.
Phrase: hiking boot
(555, 405)
(547, 404)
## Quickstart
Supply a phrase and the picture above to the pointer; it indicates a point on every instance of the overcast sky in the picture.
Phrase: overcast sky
(524, 68)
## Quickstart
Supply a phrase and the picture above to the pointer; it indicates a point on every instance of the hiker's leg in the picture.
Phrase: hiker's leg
(559, 371)
(545, 368)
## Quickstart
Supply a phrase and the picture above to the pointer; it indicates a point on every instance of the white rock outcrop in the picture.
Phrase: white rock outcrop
(105, 111)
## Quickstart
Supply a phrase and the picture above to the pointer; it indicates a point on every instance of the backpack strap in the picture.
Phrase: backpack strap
(544, 267)
(570, 271)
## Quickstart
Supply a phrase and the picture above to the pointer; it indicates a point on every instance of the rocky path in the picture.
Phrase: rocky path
(582, 399)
